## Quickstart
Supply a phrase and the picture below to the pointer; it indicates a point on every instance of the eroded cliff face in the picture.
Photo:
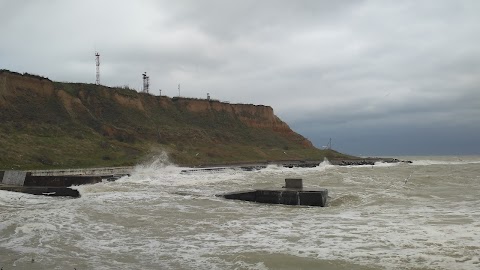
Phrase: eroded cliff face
(111, 110)
(14, 85)
(256, 116)
(24, 98)
(35, 85)
(253, 115)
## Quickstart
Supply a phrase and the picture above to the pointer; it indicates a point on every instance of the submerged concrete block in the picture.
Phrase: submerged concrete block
(316, 197)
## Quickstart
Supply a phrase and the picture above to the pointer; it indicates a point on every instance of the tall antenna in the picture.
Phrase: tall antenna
(97, 62)
(146, 82)
(178, 90)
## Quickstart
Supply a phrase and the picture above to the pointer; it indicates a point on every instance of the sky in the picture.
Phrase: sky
(377, 77)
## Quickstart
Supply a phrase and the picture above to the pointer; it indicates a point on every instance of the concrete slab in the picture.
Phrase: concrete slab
(14, 178)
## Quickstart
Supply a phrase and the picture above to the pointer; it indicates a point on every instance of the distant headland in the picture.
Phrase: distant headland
(47, 124)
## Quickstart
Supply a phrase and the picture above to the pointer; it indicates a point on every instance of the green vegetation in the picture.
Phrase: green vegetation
(85, 125)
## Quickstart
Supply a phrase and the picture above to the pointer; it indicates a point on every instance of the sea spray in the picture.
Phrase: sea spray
(374, 221)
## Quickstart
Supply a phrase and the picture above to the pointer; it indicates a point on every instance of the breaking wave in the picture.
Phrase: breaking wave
(428, 162)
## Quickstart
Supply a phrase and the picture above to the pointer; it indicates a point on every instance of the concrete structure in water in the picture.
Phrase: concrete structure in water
(292, 193)
(57, 182)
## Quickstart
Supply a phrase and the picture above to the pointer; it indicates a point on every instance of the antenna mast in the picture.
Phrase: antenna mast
(146, 82)
(97, 62)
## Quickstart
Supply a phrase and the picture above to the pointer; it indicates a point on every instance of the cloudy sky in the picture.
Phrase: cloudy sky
(378, 77)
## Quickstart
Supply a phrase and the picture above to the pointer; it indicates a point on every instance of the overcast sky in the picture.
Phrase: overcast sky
(378, 77)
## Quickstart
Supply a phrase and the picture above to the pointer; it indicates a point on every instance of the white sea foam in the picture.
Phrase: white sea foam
(445, 162)
(35, 228)
(386, 164)
(160, 217)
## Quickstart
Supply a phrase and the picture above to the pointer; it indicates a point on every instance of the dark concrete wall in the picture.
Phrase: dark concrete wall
(241, 195)
(61, 181)
(314, 198)
(47, 191)
(284, 196)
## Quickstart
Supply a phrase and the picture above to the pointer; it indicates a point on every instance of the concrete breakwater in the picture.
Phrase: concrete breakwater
(366, 161)
(293, 164)
(254, 166)
(88, 171)
(281, 196)
(292, 193)
(57, 182)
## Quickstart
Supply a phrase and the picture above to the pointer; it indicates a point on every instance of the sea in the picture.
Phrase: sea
(423, 215)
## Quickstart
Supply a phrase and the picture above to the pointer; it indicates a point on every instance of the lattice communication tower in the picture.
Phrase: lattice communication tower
(97, 62)
(146, 82)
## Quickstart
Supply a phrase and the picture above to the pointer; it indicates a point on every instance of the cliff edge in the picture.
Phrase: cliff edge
(48, 124)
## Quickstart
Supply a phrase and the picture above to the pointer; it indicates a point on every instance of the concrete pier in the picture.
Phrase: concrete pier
(288, 196)
(57, 182)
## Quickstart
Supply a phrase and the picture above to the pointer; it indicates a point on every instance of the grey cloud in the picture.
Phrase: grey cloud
(341, 67)
(235, 19)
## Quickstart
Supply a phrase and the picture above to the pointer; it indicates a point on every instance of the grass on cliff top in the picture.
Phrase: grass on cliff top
(50, 147)
(238, 154)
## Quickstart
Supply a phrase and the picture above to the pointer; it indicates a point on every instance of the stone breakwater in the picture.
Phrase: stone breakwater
(366, 161)
(293, 164)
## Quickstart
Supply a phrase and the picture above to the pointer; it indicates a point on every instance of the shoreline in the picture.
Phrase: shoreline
(304, 163)
(89, 171)
(58, 182)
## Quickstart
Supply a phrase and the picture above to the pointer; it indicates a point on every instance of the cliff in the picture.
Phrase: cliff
(54, 124)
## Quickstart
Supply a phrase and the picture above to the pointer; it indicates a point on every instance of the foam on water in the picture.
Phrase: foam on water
(447, 161)
(35, 227)
(162, 218)
(386, 164)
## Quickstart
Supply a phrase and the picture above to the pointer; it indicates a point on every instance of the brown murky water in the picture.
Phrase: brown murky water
(424, 215)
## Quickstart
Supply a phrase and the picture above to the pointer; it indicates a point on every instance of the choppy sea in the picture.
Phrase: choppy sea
(424, 215)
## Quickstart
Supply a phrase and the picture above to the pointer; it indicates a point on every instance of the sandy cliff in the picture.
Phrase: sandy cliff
(29, 103)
